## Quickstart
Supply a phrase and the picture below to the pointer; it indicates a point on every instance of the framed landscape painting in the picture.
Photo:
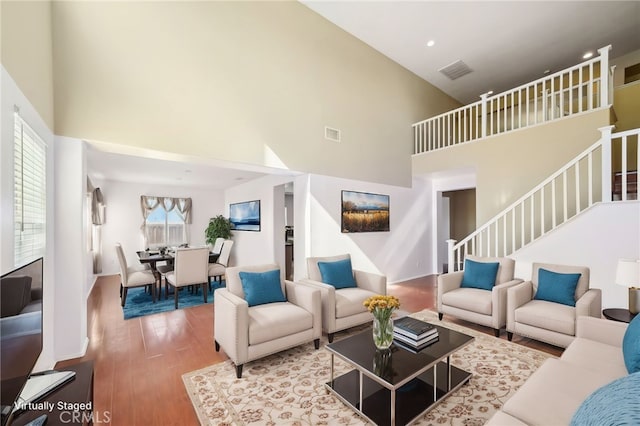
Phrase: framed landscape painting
(245, 216)
(364, 212)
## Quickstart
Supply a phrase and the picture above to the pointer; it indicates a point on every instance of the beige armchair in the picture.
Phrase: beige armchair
(479, 306)
(249, 332)
(550, 322)
(343, 308)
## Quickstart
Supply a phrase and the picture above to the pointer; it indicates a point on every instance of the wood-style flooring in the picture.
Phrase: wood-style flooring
(139, 362)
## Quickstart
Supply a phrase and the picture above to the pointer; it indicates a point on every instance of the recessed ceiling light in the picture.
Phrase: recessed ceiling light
(430, 43)
(587, 55)
(546, 71)
(490, 92)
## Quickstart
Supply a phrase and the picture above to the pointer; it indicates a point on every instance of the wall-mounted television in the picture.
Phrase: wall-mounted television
(20, 331)
(245, 216)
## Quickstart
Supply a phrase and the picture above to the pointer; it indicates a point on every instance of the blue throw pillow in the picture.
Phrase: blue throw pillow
(631, 346)
(262, 287)
(339, 273)
(480, 275)
(557, 287)
(615, 403)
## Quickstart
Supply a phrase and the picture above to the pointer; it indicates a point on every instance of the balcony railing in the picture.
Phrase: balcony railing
(582, 182)
(581, 88)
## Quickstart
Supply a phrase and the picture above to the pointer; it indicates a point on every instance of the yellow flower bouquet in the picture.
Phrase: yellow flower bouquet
(382, 307)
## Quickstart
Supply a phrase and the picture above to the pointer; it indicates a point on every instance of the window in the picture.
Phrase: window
(166, 221)
(29, 193)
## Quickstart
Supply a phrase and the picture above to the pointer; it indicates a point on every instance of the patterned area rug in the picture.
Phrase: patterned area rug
(288, 387)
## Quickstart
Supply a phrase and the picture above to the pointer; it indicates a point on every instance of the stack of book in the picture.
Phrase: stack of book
(414, 334)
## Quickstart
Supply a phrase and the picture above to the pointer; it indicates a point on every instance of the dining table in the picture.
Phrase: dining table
(152, 257)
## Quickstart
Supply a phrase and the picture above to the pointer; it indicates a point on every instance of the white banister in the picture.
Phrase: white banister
(487, 238)
(540, 101)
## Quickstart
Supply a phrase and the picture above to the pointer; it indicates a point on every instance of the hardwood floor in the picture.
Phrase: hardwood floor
(139, 362)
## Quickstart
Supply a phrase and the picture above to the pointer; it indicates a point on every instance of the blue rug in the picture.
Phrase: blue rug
(139, 302)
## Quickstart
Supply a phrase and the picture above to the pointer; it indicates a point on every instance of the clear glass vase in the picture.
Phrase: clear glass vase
(382, 332)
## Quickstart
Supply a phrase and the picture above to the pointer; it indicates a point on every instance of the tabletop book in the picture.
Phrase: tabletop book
(414, 328)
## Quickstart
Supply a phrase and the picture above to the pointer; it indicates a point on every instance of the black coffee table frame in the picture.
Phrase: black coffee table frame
(410, 386)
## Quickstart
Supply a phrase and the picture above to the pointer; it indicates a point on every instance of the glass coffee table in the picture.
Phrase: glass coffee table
(396, 386)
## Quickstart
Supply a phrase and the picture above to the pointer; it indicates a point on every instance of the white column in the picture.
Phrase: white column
(604, 76)
(451, 257)
(483, 119)
(606, 162)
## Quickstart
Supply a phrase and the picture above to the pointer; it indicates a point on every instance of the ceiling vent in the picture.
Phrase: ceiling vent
(456, 70)
(331, 134)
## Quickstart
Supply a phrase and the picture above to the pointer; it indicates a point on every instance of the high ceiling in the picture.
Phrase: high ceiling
(506, 44)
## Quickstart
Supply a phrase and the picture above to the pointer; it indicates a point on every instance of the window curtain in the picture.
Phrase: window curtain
(97, 220)
(148, 203)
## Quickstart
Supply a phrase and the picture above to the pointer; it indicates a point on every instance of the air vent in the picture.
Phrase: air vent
(455, 70)
(331, 134)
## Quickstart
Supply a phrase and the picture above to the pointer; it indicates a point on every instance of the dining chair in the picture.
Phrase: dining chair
(190, 268)
(218, 269)
(217, 245)
(134, 276)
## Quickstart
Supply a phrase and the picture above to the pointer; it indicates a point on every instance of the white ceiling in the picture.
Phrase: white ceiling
(148, 169)
(505, 43)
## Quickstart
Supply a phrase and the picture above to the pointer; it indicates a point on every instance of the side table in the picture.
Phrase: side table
(618, 314)
(71, 403)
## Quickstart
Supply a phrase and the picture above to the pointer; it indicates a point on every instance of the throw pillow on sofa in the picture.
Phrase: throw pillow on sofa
(615, 403)
(338, 274)
(480, 275)
(262, 287)
(631, 346)
(557, 287)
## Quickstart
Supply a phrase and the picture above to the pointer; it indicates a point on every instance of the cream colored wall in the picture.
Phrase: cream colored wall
(254, 82)
(26, 51)
(621, 63)
(510, 165)
(626, 103)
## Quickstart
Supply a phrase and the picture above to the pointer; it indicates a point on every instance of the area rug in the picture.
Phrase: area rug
(288, 387)
(140, 303)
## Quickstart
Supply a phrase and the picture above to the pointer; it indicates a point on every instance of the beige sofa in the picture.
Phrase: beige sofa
(554, 392)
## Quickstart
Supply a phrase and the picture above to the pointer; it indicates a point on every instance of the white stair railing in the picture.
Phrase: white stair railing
(581, 88)
(584, 181)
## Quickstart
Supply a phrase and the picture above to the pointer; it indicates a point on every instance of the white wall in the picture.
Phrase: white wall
(10, 96)
(400, 254)
(71, 249)
(124, 217)
(597, 238)
(253, 248)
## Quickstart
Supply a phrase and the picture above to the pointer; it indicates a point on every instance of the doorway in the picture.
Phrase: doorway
(457, 220)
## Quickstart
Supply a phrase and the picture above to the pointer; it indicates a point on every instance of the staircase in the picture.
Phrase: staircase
(586, 180)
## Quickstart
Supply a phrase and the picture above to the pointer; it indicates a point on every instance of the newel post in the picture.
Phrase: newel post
(605, 140)
(604, 76)
(451, 256)
(483, 117)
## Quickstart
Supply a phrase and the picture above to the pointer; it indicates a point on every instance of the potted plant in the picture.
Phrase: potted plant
(219, 227)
